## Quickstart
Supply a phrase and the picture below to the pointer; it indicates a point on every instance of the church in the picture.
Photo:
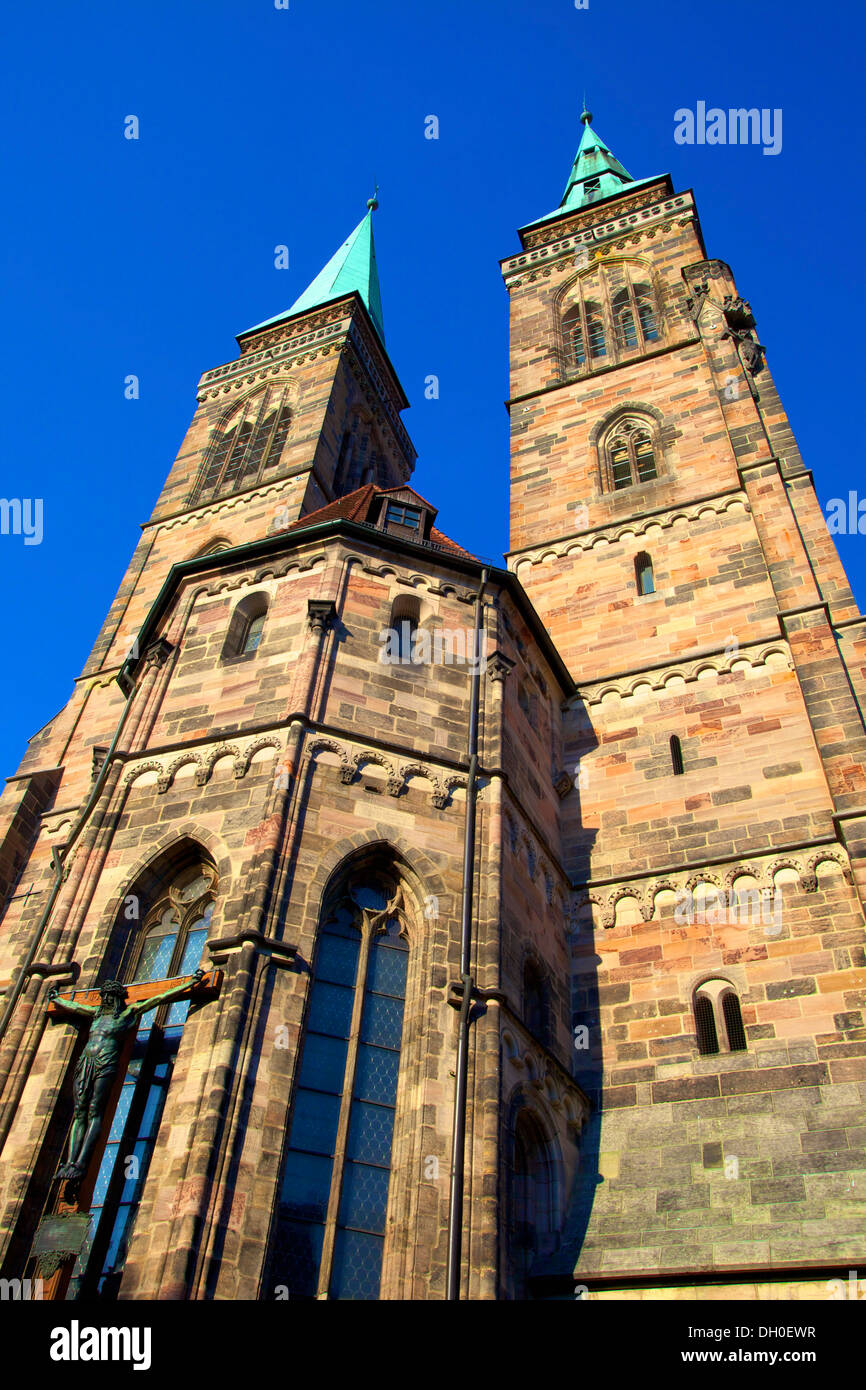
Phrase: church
(380, 921)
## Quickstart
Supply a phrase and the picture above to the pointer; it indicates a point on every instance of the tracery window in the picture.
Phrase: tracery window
(629, 455)
(169, 944)
(609, 314)
(329, 1233)
(247, 443)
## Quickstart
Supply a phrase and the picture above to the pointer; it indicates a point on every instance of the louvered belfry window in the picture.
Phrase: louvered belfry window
(246, 445)
(329, 1231)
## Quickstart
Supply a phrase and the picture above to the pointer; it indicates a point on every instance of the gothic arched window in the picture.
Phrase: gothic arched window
(609, 314)
(329, 1234)
(572, 327)
(595, 331)
(246, 445)
(629, 454)
(177, 905)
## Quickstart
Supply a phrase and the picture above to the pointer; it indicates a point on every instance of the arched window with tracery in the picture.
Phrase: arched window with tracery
(329, 1231)
(613, 295)
(629, 454)
(173, 902)
(246, 445)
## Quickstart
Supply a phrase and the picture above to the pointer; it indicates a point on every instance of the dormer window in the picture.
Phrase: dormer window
(591, 189)
(396, 514)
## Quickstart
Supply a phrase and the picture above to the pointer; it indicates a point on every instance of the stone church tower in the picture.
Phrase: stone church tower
(667, 532)
(528, 898)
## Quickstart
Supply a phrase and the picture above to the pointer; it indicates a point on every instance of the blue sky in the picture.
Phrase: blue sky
(261, 127)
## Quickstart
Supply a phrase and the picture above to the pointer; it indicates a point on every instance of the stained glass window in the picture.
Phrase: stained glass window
(330, 1229)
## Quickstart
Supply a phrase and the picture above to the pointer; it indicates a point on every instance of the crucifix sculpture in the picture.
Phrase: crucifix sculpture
(113, 1019)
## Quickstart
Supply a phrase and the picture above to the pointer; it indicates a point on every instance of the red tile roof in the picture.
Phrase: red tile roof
(356, 506)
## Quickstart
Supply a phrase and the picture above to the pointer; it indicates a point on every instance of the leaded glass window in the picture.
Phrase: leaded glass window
(329, 1233)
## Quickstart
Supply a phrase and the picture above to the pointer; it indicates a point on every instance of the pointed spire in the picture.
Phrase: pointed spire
(596, 173)
(352, 268)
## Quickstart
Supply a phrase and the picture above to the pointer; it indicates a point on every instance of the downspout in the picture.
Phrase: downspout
(458, 1143)
(58, 861)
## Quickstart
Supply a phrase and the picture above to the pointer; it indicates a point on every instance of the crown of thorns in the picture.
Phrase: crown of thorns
(112, 989)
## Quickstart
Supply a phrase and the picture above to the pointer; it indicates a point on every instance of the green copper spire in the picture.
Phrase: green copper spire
(353, 267)
(595, 174)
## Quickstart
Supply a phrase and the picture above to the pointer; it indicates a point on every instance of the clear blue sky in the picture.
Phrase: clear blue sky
(262, 126)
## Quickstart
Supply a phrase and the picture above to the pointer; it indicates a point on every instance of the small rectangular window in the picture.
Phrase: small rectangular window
(399, 515)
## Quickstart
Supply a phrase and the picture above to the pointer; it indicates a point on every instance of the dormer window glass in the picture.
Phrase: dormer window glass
(397, 514)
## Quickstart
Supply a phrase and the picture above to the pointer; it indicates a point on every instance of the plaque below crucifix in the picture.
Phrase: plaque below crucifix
(114, 1012)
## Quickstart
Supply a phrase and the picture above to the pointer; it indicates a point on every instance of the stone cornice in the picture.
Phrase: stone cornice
(548, 247)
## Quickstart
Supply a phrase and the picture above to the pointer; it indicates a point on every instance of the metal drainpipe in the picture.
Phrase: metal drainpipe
(58, 860)
(458, 1144)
